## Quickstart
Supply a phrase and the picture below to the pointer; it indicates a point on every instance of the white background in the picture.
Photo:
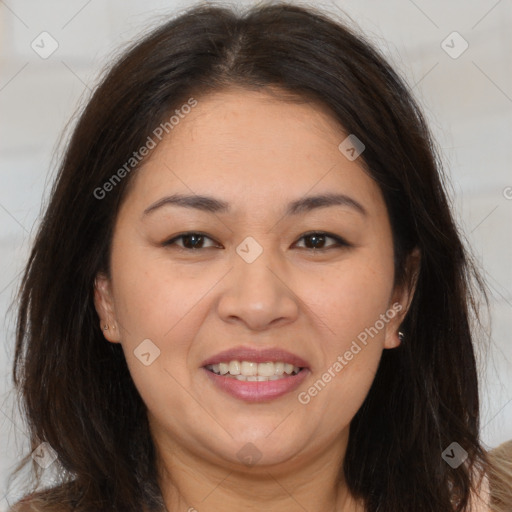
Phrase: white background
(468, 101)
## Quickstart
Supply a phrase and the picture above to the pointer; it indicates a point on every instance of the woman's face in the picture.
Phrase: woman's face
(264, 281)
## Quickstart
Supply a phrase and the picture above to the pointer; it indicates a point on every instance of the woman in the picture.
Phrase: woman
(248, 290)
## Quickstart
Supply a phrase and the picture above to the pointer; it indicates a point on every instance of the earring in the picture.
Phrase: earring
(105, 328)
(401, 336)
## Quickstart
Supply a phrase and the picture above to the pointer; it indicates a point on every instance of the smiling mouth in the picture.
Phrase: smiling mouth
(251, 371)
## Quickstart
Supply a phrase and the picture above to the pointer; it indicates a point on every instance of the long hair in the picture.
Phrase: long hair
(75, 388)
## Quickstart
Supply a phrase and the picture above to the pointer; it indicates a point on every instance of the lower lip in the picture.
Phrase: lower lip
(257, 391)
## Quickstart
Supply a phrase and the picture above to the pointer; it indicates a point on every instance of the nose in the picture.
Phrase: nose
(258, 294)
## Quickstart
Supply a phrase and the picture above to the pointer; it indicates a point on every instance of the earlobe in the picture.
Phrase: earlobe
(402, 299)
(104, 304)
(394, 338)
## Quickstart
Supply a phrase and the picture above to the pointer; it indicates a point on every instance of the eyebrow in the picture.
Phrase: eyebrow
(213, 205)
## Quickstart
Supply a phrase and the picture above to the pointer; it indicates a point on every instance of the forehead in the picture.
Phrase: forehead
(236, 121)
(253, 145)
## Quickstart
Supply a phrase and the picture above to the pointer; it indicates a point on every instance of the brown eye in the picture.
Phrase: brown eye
(190, 241)
(316, 241)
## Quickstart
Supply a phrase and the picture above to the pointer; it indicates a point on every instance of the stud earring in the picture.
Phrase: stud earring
(401, 336)
(105, 328)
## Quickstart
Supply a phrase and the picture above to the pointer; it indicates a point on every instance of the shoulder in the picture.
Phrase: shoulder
(26, 505)
(481, 498)
(35, 504)
(51, 499)
(500, 476)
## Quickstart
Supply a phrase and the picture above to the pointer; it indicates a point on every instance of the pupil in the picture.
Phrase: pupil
(193, 241)
(316, 238)
(188, 238)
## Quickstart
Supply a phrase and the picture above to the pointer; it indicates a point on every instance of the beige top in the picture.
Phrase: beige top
(482, 501)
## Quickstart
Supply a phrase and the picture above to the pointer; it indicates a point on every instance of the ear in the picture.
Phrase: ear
(104, 304)
(402, 298)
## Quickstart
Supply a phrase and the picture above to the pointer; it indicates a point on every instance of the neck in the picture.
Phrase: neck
(191, 483)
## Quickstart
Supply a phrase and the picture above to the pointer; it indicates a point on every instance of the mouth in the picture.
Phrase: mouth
(251, 371)
(256, 375)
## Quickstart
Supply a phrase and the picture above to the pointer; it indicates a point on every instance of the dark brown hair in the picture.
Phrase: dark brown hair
(76, 389)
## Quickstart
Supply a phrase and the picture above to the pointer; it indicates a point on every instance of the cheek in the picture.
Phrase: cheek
(164, 311)
(349, 297)
(351, 304)
(153, 303)
(153, 296)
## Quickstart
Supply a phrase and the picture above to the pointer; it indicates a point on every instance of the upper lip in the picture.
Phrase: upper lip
(261, 355)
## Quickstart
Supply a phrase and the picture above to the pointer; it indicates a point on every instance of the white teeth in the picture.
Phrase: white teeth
(288, 368)
(249, 368)
(234, 367)
(266, 369)
(278, 368)
(254, 372)
(223, 368)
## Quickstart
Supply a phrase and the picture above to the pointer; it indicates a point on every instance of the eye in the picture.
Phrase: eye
(191, 241)
(315, 241)
(318, 239)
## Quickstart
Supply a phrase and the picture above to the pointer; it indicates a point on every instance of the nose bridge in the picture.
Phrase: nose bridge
(256, 269)
(257, 294)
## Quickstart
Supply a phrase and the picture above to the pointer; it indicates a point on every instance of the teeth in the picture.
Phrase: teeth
(266, 369)
(254, 372)
(249, 369)
(234, 367)
(288, 368)
(278, 368)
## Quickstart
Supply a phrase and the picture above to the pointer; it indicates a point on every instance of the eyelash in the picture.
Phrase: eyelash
(340, 242)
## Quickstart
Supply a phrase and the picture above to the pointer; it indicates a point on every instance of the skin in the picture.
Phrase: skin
(256, 153)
